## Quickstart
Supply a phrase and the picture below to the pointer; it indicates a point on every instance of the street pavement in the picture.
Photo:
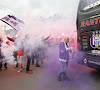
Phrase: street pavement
(45, 78)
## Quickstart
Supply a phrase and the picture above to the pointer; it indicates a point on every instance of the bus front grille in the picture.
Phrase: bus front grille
(84, 43)
(92, 57)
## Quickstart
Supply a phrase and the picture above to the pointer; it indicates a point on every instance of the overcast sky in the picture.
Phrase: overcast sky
(38, 7)
(45, 8)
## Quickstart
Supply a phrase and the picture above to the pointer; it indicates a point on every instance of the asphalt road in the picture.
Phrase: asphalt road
(45, 78)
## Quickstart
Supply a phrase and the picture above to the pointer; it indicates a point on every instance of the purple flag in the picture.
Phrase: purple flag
(13, 22)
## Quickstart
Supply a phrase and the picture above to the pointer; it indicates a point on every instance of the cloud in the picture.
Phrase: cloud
(63, 7)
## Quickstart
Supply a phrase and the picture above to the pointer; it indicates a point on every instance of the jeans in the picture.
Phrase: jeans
(38, 57)
(63, 69)
(5, 64)
(28, 63)
(32, 57)
(0, 64)
(15, 56)
(17, 65)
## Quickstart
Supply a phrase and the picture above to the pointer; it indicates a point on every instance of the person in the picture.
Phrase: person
(64, 57)
(32, 57)
(20, 58)
(17, 43)
(15, 56)
(37, 53)
(40, 53)
(1, 56)
(28, 53)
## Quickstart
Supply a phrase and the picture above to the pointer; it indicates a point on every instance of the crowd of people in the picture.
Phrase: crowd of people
(25, 52)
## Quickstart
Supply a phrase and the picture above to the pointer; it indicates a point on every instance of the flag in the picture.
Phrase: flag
(14, 22)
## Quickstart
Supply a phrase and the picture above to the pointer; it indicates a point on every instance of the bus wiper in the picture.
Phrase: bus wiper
(92, 5)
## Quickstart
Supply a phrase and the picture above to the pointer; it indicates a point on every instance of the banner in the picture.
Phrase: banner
(14, 22)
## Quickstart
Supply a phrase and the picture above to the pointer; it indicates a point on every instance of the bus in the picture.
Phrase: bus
(88, 33)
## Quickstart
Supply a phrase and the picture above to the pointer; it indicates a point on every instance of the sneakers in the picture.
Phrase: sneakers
(20, 70)
(65, 78)
(5, 68)
(37, 65)
(29, 72)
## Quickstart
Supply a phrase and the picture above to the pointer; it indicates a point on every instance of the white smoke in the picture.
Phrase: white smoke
(7, 52)
(42, 18)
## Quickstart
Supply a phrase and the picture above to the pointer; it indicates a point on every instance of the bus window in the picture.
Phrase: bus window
(88, 4)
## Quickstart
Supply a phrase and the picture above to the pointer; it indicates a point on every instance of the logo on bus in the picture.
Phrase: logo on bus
(85, 61)
(90, 22)
(96, 39)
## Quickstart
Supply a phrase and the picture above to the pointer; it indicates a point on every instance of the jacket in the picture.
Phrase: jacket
(63, 52)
